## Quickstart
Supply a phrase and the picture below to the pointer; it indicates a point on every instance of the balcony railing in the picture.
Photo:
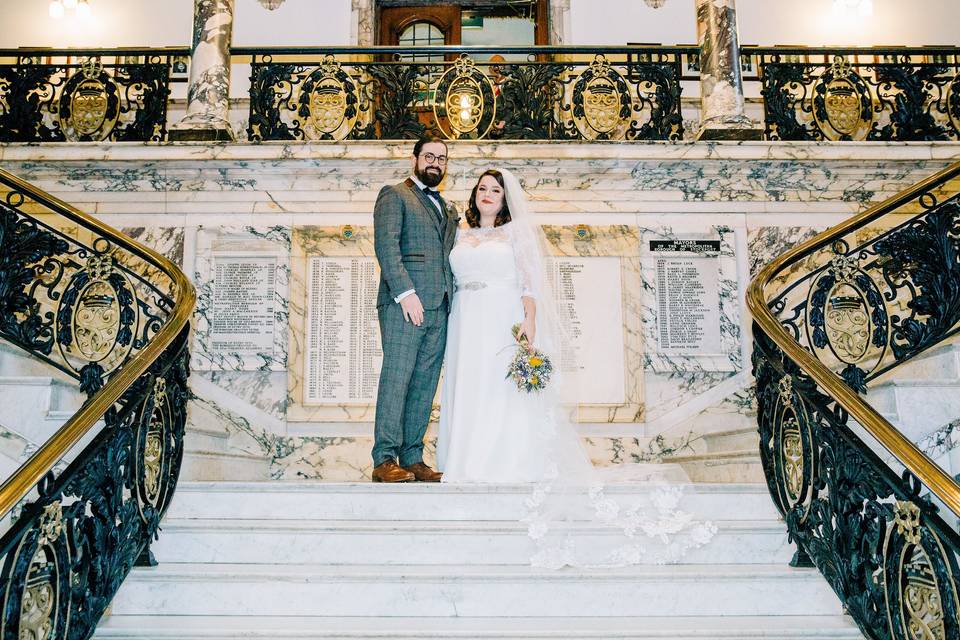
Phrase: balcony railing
(893, 94)
(538, 93)
(92, 95)
(629, 93)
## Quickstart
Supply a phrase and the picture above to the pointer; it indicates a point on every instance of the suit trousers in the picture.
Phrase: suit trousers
(412, 357)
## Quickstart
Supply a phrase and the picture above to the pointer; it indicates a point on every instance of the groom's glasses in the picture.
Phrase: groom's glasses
(430, 158)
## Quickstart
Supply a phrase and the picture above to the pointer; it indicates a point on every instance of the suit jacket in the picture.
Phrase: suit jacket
(413, 242)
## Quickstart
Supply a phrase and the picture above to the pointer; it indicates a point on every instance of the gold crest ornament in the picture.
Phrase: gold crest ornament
(601, 100)
(842, 106)
(328, 102)
(99, 313)
(465, 103)
(90, 104)
(346, 232)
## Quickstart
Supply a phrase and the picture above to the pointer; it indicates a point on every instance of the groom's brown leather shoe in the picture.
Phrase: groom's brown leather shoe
(390, 471)
(423, 473)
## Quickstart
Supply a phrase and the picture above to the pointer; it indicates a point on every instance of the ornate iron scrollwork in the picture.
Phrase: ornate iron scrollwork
(815, 94)
(89, 101)
(467, 99)
(464, 102)
(878, 295)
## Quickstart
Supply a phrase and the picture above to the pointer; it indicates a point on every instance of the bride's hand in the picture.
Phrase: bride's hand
(528, 330)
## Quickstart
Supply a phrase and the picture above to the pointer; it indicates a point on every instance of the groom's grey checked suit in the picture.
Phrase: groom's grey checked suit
(412, 240)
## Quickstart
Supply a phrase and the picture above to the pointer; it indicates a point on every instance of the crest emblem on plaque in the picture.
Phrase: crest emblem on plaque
(346, 232)
(90, 104)
(601, 100)
(464, 104)
(328, 102)
(842, 105)
(848, 318)
(96, 316)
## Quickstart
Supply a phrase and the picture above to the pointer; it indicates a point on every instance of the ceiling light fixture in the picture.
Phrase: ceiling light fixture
(853, 8)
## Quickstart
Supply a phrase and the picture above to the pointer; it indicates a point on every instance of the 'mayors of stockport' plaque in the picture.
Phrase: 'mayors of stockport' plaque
(688, 296)
(343, 353)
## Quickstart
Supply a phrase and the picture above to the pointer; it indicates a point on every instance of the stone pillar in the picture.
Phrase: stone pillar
(362, 13)
(208, 95)
(559, 22)
(721, 87)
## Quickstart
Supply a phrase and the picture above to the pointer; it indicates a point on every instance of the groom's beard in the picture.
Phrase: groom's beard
(431, 176)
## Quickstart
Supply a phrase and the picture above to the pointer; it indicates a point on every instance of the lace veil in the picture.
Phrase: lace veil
(578, 514)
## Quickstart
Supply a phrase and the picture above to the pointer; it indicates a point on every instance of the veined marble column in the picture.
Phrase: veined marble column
(721, 87)
(362, 13)
(559, 22)
(209, 91)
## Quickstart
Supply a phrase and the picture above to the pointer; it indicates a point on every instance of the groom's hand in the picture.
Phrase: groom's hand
(412, 309)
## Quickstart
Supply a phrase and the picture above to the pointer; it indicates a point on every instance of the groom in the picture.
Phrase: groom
(413, 235)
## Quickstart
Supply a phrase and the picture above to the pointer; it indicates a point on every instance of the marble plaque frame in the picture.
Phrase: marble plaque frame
(728, 356)
(271, 242)
(621, 241)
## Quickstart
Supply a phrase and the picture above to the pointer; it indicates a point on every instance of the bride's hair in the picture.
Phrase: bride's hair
(473, 214)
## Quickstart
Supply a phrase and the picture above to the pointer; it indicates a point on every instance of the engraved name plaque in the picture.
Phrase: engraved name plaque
(242, 319)
(688, 296)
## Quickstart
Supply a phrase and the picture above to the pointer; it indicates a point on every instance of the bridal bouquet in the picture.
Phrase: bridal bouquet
(530, 371)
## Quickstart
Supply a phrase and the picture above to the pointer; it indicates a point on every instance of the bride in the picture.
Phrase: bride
(490, 431)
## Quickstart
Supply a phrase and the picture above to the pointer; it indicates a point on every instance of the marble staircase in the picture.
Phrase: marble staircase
(355, 560)
(36, 400)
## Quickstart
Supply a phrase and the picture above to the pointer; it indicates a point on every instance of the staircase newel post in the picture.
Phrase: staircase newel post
(721, 86)
(208, 94)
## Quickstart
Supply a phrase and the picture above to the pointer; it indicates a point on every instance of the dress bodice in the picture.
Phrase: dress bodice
(485, 257)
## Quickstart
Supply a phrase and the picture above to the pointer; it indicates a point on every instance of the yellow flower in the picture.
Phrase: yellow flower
(534, 380)
(535, 361)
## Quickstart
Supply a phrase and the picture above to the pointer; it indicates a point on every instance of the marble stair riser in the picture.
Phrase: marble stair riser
(446, 591)
(938, 363)
(36, 406)
(921, 407)
(383, 503)
(301, 628)
(728, 466)
(422, 542)
(201, 465)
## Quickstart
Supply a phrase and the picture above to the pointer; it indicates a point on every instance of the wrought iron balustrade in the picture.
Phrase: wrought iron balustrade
(871, 511)
(538, 93)
(52, 95)
(113, 315)
(875, 93)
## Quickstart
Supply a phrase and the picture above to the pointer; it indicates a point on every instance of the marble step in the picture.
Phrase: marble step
(921, 406)
(941, 362)
(739, 439)
(423, 542)
(316, 628)
(36, 406)
(207, 465)
(470, 590)
(422, 501)
(736, 466)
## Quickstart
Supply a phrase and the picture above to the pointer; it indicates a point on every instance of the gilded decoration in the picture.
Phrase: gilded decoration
(601, 100)
(841, 103)
(465, 103)
(90, 104)
(96, 313)
(46, 577)
(328, 102)
(848, 321)
(792, 451)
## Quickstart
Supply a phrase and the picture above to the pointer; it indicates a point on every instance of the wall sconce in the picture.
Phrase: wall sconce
(59, 7)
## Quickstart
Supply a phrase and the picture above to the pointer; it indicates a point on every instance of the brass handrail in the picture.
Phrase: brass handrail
(940, 483)
(17, 486)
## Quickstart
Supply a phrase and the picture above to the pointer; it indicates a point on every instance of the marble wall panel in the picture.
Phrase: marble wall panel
(609, 240)
(269, 242)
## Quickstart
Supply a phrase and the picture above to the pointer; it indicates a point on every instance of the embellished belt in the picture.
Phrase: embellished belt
(474, 285)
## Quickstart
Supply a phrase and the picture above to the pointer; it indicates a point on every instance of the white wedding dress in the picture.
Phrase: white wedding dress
(491, 432)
